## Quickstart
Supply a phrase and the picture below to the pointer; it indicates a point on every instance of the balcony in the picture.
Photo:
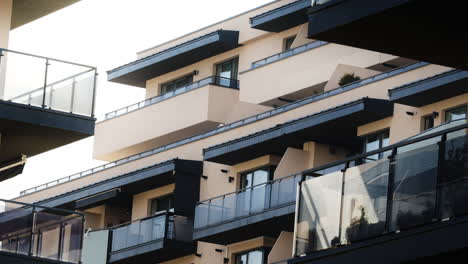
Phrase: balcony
(160, 237)
(262, 210)
(36, 234)
(381, 27)
(43, 100)
(191, 110)
(408, 198)
(430, 90)
(138, 72)
(337, 126)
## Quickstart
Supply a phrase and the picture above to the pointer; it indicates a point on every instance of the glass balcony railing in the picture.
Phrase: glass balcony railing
(165, 225)
(42, 232)
(288, 53)
(253, 200)
(48, 83)
(214, 80)
(415, 182)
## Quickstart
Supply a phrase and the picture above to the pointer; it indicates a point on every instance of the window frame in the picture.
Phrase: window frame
(173, 81)
(285, 42)
(234, 72)
(264, 251)
(150, 203)
(365, 141)
(446, 111)
(423, 122)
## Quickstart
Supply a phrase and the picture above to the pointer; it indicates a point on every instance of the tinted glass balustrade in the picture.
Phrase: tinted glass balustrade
(48, 83)
(414, 184)
(40, 232)
(150, 229)
(246, 202)
(214, 80)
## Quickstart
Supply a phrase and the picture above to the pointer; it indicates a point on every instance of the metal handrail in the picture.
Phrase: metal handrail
(288, 53)
(26, 205)
(252, 187)
(235, 124)
(214, 80)
(46, 58)
(167, 213)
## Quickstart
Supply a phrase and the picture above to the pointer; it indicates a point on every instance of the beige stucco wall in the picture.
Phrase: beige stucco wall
(141, 201)
(343, 69)
(304, 70)
(194, 150)
(94, 217)
(5, 23)
(283, 247)
(293, 161)
(170, 120)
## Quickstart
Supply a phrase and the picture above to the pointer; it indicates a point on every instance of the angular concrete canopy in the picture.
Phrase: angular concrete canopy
(25, 11)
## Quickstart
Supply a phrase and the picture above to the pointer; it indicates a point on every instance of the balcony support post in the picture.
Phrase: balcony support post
(94, 93)
(31, 242)
(390, 188)
(440, 170)
(45, 83)
(72, 99)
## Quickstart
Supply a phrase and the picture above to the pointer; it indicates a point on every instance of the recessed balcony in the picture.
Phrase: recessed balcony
(193, 109)
(408, 198)
(45, 103)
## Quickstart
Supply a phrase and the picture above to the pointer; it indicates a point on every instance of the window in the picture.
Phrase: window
(374, 142)
(165, 203)
(428, 122)
(456, 113)
(176, 84)
(255, 198)
(228, 71)
(257, 256)
(288, 43)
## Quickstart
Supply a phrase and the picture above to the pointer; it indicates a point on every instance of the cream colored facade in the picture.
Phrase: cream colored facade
(303, 75)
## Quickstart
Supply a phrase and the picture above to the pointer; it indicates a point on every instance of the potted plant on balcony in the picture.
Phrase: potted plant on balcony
(348, 78)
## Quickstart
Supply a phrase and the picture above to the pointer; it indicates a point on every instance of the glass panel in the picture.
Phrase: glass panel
(49, 242)
(119, 238)
(201, 215)
(319, 214)
(365, 201)
(256, 257)
(133, 235)
(243, 203)
(15, 228)
(229, 207)
(258, 199)
(83, 94)
(159, 227)
(454, 178)
(414, 186)
(72, 237)
(216, 211)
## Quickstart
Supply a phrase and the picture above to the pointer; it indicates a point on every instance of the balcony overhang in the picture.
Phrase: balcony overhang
(417, 29)
(336, 126)
(425, 242)
(161, 250)
(185, 174)
(138, 72)
(30, 130)
(26, 11)
(282, 18)
(266, 223)
(431, 90)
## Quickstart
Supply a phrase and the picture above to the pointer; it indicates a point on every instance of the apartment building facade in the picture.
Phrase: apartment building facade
(243, 148)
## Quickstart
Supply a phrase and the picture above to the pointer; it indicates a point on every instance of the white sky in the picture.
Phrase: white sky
(106, 34)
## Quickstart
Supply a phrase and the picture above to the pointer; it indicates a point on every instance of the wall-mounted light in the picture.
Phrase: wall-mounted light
(219, 250)
(435, 114)
(410, 113)
(204, 177)
(196, 72)
(230, 179)
(226, 260)
(198, 255)
(224, 171)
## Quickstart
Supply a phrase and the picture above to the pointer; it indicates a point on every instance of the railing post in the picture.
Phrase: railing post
(391, 178)
(33, 227)
(343, 182)
(45, 83)
(440, 169)
(60, 242)
(72, 99)
(94, 93)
